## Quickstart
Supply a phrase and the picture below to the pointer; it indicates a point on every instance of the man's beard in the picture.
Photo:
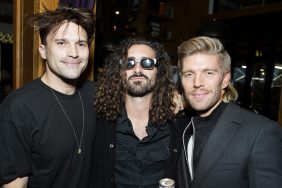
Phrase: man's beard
(138, 88)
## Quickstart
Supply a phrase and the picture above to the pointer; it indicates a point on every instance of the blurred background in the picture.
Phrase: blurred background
(250, 30)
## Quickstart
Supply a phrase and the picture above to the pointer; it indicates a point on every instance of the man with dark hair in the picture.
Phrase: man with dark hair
(135, 108)
(224, 145)
(47, 127)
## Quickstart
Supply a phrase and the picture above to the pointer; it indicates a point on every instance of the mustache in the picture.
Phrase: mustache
(138, 75)
(194, 91)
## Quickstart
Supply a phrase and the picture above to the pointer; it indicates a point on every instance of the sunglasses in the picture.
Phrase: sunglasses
(145, 62)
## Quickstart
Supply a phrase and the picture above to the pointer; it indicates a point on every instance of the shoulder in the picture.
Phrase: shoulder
(30, 91)
(180, 121)
(22, 101)
(106, 124)
(88, 87)
(88, 84)
(248, 118)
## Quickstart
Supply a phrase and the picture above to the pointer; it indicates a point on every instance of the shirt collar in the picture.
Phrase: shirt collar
(123, 117)
(214, 114)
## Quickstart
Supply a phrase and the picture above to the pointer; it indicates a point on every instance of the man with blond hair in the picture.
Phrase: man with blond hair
(224, 145)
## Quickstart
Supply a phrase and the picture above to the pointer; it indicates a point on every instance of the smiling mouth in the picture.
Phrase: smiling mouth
(72, 63)
(199, 95)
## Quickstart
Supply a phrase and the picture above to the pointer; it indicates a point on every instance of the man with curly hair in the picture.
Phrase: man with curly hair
(136, 138)
(47, 127)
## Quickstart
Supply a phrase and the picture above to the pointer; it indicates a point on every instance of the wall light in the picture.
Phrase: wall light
(278, 67)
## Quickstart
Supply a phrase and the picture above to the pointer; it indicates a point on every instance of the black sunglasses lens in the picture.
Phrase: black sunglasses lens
(130, 63)
(147, 63)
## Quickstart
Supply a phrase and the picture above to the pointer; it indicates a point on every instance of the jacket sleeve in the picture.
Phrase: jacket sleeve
(265, 165)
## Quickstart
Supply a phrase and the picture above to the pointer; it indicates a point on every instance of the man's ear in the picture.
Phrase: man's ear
(42, 51)
(226, 80)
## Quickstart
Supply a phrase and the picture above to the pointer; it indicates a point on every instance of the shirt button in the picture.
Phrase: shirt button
(112, 179)
(111, 145)
(175, 150)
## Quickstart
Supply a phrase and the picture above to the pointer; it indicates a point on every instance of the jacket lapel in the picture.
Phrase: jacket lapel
(218, 141)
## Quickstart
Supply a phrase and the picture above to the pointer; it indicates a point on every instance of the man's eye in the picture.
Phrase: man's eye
(60, 43)
(82, 44)
(187, 75)
(209, 73)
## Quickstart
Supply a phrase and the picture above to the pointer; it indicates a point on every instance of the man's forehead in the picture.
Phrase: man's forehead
(68, 30)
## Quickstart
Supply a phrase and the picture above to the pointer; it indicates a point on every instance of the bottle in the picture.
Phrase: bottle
(166, 183)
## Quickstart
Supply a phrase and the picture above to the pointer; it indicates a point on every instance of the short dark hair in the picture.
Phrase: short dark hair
(51, 20)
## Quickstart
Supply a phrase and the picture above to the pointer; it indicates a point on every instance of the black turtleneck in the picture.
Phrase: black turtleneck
(204, 126)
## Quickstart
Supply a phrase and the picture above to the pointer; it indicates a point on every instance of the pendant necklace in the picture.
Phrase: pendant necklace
(69, 120)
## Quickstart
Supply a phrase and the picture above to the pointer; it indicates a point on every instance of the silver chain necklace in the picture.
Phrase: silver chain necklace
(74, 133)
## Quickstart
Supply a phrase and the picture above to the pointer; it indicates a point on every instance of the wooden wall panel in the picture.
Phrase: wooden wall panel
(17, 48)
(23, 43)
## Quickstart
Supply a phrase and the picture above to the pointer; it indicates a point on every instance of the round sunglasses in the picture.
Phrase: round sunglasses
(145, 62)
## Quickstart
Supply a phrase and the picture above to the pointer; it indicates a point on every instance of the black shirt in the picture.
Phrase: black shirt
(36, 139)
(140, 163)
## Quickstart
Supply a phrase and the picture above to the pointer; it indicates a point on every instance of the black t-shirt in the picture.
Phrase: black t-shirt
(36, 139)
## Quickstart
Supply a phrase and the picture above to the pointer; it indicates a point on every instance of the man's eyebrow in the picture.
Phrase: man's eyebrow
(63, 39)
(185, 71)
(56, 39)
(204, 70)
(210, 69)
(83, 41)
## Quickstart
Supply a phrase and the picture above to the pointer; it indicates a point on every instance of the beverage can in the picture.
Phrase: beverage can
(166, 183)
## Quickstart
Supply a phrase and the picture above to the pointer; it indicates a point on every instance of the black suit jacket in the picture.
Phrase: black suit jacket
(243, 150)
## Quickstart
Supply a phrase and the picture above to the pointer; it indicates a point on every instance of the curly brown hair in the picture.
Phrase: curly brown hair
(110, 94)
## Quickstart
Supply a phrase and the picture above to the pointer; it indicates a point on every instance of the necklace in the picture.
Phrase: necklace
(64, 111)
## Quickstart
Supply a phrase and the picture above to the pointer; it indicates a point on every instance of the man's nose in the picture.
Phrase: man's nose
(198, 81)
(137, 68)
(72, 51)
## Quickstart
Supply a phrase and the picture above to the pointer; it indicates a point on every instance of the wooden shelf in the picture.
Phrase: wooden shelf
(246, 11)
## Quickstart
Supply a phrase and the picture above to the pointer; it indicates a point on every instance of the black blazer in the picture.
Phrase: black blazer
(244, 150)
